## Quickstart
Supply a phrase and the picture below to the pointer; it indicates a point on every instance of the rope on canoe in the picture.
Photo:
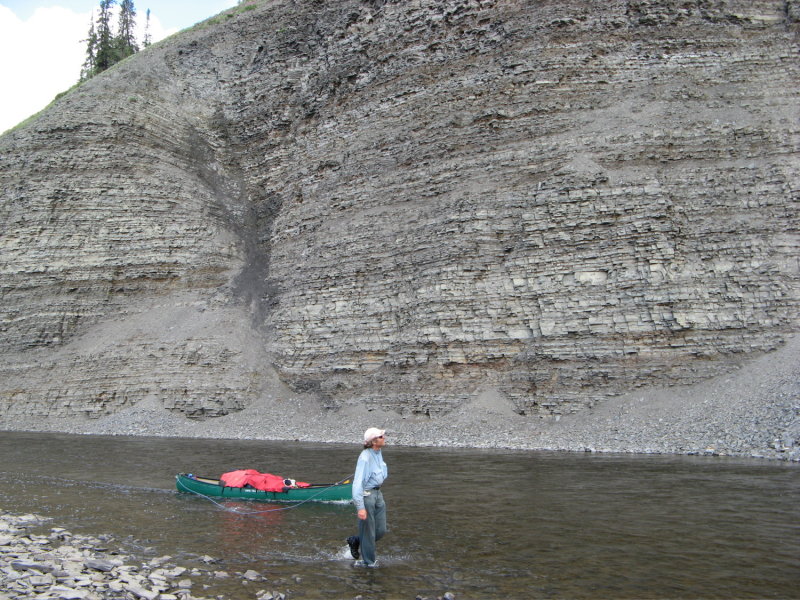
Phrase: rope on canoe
(239, 511)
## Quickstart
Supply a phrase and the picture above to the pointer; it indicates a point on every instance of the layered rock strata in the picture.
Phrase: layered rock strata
(400, 204)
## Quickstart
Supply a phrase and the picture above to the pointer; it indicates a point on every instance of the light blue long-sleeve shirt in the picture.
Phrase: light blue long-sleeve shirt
(371, 472)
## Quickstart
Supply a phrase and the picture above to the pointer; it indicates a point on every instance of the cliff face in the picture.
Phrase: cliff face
(401, 204)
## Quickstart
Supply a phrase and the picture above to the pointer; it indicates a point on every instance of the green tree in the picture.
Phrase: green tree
(104, 48)
(105, 52)
(147, 39)
(126, 37)
(89, 64)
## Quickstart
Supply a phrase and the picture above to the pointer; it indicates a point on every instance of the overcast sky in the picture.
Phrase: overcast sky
(41, 52)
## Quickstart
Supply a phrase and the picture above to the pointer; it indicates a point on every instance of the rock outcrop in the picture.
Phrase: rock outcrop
(397, 204)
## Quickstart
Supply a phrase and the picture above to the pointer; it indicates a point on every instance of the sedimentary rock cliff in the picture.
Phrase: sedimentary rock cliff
(401, 204)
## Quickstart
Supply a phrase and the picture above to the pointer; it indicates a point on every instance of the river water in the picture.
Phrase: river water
(480, 524)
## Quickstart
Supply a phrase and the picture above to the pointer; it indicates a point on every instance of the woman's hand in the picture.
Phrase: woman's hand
(362, 514)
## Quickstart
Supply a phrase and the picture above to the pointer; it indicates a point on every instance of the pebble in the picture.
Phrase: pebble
(69, 569)
(101, 565)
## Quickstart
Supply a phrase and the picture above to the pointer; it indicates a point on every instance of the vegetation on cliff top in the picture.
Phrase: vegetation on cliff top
(105, 48)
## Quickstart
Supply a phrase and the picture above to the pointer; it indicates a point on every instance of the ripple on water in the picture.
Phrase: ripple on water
(477, 523)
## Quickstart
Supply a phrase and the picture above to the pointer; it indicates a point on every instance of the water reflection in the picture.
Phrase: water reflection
(237, 530)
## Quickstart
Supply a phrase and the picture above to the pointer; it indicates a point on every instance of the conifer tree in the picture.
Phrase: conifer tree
(147, 39)
(103, 48)
(89, 65)
(126, 36)
(105, 52)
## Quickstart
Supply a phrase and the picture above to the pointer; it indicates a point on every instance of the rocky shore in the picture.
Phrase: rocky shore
(65, 566)
(752, 411)
(60, 565)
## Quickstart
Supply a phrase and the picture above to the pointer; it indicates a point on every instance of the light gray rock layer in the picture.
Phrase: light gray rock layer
(398, 205)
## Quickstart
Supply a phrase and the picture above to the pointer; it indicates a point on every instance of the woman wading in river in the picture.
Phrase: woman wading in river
(371, 472)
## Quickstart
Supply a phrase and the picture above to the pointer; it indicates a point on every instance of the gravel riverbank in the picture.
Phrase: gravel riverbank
(752, 411)
(58, 564)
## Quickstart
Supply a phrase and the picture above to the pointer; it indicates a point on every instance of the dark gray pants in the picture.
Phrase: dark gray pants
(373, 528)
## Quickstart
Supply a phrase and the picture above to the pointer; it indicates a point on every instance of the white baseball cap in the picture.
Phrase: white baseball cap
(372, 433)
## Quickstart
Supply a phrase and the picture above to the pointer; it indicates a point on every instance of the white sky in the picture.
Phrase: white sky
(41, 52)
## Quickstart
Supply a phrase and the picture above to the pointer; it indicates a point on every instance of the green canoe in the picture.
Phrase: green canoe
(204, 486)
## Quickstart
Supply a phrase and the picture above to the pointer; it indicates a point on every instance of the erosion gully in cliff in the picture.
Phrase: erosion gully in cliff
(398, 204)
